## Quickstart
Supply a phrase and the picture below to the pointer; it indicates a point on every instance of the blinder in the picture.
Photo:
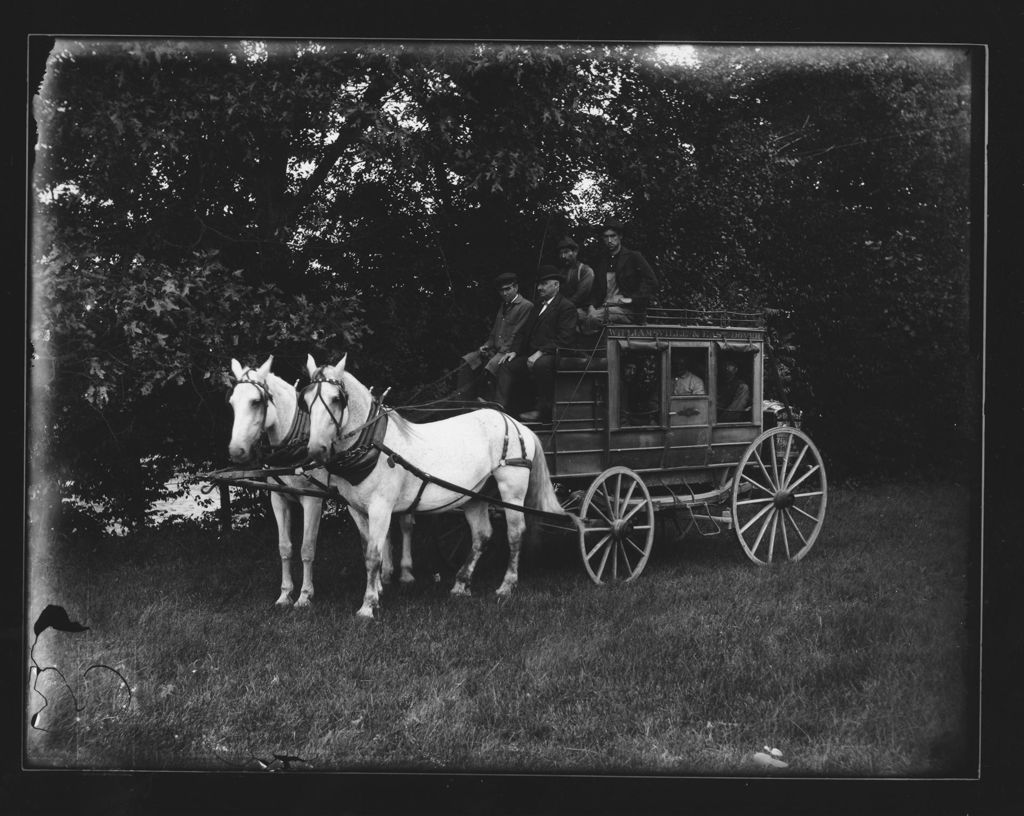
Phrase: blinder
(265, 396)
(314, 386)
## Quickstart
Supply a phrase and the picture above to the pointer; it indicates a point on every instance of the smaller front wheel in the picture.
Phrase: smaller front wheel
(617, 530)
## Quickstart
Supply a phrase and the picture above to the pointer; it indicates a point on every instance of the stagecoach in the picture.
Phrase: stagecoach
(626, 450)
(624, 453)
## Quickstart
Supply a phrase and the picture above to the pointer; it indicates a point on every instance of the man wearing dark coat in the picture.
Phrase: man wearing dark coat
(624, 283)
(579, 278)
(551, 324)
(481, 365)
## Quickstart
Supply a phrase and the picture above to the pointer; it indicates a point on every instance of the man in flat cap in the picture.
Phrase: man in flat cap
(552, 323)
(481, 365)
(624, 283)
(579, 278)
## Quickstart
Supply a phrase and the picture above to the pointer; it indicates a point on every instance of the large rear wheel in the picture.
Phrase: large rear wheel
(779, 496)
(617, 533)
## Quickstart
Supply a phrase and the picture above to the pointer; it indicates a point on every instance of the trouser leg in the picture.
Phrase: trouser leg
(544, 379)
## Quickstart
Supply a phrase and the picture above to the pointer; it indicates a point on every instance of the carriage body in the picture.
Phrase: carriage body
(614, 404)
(623, 440)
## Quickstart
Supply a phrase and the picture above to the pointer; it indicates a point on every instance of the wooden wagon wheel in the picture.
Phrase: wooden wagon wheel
(617, 532)
(779, 496)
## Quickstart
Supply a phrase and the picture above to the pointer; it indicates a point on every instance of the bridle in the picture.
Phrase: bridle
(265, 396)
(315, 385)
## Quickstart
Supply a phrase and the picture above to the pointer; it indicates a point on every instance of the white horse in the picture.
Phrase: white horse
(461, 451)
(268, 413)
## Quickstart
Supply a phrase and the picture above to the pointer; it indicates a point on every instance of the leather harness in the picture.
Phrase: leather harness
(354, 464)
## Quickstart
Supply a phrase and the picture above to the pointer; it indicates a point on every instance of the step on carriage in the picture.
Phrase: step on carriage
(625, 450)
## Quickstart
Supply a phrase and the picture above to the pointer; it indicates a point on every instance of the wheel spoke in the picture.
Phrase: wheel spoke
(764, 470)
(629, 494)
(635, 546)
(601, 543)
(617, 509)
(756, 484)
(625, 558)
(796, 464)
(604, 561)
(803, 478)
(805, 513)
(809, 495)
(600, 512)
(785, 459)
(785, 536)
(796, 527)
(755, 501)
(640, 505)
(760, 534)
(758, 515)
(771, 538)
(775, 458)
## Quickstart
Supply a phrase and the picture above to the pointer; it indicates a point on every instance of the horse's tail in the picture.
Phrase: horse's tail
(540, 493)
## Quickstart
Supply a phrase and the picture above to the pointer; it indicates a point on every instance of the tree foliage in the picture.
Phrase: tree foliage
(198, 200)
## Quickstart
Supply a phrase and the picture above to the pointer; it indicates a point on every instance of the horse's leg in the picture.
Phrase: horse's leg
(387, 568)
(312, 510)
(480, 528)
(283, 514)
(376, 525)
(513, 490)
(407, 521)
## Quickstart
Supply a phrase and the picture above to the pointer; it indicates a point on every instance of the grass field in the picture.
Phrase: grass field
(855, 661)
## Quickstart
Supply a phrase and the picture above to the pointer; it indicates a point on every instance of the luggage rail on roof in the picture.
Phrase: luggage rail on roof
(663, 316)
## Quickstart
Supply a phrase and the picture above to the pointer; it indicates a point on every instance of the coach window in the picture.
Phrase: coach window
(688, 387)
(734, 394)
(641, 386)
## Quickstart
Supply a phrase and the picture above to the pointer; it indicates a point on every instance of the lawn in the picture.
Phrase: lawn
(856, 661)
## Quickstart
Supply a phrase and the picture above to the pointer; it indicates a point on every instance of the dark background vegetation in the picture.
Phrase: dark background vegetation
(198, 200)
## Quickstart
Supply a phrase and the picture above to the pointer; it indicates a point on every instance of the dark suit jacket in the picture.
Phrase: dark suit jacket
(545, 332)
(635, 277)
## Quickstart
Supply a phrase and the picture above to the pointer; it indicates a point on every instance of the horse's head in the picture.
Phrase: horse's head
(326, 399)
(250, 400)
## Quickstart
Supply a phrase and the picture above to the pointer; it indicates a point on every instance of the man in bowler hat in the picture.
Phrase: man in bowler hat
(551, 324)
(480, 365)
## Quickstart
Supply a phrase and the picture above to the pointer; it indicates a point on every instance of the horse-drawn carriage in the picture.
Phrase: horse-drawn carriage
(630, 445)
(624, 445)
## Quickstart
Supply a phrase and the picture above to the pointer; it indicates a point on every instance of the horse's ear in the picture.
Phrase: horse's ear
(236, 368)
(310, 365)
(264, 369)
(341, 363)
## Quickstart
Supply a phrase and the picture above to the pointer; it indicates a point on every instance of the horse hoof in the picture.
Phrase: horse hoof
(504, 591)
(459, 591)
(406, 580)
(283, 603)
(304, 603)
(367, 615)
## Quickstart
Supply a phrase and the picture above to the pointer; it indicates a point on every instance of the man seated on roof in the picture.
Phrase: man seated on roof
(480, 366)
(624, 283)
(551, 325)
(579, 278)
